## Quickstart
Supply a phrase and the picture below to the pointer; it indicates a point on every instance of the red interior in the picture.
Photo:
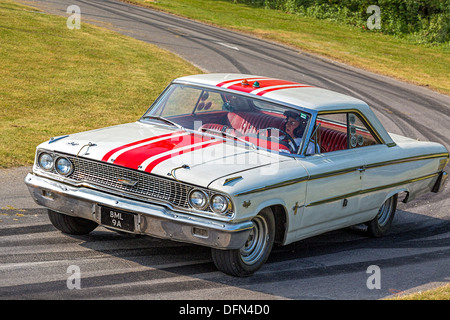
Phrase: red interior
(331, 138)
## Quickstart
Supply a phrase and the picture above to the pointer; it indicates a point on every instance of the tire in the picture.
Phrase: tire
(71, 225)
(381, 224)
(247, 260)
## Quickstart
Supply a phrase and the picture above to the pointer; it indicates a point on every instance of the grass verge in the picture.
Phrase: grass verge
(440, 293)
(419, 64)
(56, 81)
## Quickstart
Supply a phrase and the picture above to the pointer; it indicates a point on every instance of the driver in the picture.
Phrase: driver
(295, 126)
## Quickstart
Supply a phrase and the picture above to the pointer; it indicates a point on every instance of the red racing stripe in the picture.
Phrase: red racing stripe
(269, 83)
(281, 88)
(135, 157)
(110, 153)
(262, 84)
(154, 163)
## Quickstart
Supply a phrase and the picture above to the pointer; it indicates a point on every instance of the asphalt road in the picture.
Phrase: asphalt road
(37, 261)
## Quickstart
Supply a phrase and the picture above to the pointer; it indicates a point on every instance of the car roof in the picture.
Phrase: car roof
(295, 94)
(290, 92)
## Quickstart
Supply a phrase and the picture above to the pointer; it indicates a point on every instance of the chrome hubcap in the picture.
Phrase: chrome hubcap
(385, 212)
(256, 243)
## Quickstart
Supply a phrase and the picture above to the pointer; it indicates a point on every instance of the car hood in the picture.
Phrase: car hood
(188, 156)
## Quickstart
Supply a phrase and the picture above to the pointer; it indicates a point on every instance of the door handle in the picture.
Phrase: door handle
(361, 169)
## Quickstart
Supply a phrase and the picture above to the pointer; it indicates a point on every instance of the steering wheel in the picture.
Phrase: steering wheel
(292, 148)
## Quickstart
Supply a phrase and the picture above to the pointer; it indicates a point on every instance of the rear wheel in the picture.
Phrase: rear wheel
(71, 225)
(381, 224)
(247, 260)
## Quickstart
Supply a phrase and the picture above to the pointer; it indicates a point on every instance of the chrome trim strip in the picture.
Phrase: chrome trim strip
(334, 173)
(339, 172)
(361, 192)
(270, 187)
(378, 164)
(409, 159)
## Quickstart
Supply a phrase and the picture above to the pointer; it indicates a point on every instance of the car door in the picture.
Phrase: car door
(375, 173)
(335, 177)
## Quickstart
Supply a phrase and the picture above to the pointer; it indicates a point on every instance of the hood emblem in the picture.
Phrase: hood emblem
(172, 172)
(54, 139)
(127, 182)
(90, 144)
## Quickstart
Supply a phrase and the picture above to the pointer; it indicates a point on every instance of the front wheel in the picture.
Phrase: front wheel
(380, 225)
(247, 260)
(71, 225)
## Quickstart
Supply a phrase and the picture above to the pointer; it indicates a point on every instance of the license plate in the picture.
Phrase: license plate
(117, 218)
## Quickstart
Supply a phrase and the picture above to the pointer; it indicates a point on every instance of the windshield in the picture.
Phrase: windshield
(257, 122)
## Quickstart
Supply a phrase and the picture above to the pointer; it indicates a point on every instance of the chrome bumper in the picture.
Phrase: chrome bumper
(152, 220)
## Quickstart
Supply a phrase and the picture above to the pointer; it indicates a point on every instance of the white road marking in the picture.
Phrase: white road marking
(228, 46)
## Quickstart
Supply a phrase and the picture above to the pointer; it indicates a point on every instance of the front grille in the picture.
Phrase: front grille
(148, 186)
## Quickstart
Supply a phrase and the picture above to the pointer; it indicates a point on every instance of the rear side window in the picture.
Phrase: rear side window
(341, 131)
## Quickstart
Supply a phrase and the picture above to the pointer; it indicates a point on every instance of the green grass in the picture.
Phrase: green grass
(55, 81)
(440, 293)
(423, 65)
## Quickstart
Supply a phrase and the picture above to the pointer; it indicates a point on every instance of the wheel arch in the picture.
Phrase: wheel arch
(398, 192)
(281, 222)
(280, 213)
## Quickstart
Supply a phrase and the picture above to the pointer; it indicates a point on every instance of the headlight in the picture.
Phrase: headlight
(219, 204)
(198, 199)
(63, 166)
(45, 161)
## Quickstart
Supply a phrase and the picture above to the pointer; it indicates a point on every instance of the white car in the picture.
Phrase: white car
(236, 163)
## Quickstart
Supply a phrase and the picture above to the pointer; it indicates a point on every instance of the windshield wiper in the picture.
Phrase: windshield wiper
(164, 120)
(223, 133)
